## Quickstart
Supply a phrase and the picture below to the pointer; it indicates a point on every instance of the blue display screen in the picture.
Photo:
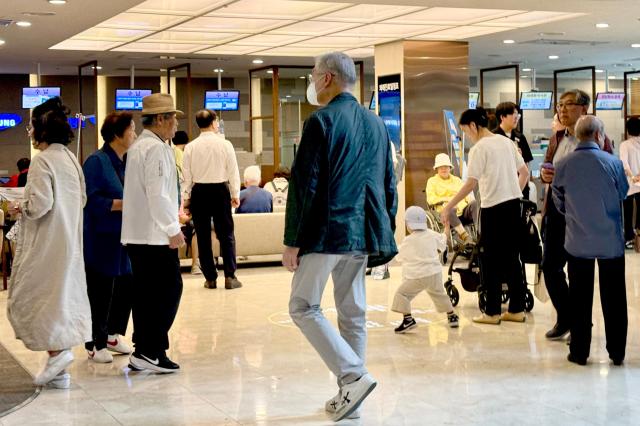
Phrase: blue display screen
(535, 100)
(130, 99)
(609, 101)
(389, 107)
(222, 100)
(473, 99)
(34, 96)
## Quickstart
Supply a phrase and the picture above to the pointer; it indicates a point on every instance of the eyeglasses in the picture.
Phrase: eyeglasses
(567, 105)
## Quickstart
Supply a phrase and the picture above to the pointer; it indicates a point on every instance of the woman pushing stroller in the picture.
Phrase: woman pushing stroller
(500, 172)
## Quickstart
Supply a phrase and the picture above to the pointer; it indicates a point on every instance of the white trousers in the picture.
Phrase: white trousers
(411, 288)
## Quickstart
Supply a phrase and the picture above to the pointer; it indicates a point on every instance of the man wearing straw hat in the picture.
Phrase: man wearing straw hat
(151, 231)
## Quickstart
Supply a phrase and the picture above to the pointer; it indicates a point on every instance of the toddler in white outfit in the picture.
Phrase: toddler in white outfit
(421, 270)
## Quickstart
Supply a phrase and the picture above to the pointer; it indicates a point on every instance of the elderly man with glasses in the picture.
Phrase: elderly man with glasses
(573, 104)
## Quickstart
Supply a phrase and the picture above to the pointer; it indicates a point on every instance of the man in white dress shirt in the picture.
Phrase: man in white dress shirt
(151, 232)
(211, 187)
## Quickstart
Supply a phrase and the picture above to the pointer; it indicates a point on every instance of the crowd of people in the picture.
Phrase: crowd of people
(99, 242)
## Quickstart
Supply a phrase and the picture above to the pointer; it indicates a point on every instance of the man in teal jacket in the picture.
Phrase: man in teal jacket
(340, 212)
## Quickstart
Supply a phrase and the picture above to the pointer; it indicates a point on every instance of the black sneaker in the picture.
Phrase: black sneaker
(138, 361)
(210, 284)
(557, 332)
(406, 326)
(572, 358)
(453, 320)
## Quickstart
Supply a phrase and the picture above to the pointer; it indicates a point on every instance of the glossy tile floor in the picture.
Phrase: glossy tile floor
(243, 362)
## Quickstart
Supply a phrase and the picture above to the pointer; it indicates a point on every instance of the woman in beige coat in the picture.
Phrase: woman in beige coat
(48, 305)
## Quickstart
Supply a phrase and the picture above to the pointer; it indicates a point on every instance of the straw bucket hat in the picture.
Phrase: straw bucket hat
(159, 103)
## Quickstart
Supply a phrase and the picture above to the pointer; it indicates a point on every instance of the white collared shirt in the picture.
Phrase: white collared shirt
(150, 201)
(210, 158)
(630, 156)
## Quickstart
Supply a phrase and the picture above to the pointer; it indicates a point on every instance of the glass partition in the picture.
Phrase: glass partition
(500, 84)
(583, 78)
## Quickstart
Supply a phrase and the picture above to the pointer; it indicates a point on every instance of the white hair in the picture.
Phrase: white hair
(253, 175)
(587, 127)
(340, 65)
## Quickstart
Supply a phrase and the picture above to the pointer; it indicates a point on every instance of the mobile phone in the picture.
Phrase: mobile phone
(548, 166)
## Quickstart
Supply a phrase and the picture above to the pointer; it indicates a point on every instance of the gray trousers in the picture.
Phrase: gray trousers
(343, 353)
(469, 214)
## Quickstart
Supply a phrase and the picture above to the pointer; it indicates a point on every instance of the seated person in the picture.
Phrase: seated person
(19, 180)
(279, 186)
(254, 199)
(441, 188)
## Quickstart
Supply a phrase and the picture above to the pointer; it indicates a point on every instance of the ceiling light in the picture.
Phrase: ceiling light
(57, 2)
(288, 96)
(636, 45)
(97, 67)
(269, 71)
(23, 23)
(218, 70)
(612, 77)
(553, 56)
(2, 42)
(602, 25)
(526, 69)
(524, 76)
(302, 77)
(599, 71)
(508, 41)
(258, 61)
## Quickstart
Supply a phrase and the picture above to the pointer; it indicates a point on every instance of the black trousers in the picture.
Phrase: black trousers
(500, 228)
(157, 288)
(631, 223)
(110, 306)
(553, 261)
(212, 201)
(613, 297)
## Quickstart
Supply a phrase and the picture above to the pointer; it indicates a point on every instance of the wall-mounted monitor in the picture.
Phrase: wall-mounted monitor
(372, 102)
(535, 100)
(130, 99)
(611, 101)
(389, 107)
(222, 100)
(34, 96)
(473, 99)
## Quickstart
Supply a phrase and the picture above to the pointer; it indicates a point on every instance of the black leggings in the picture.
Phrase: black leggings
(500, 227)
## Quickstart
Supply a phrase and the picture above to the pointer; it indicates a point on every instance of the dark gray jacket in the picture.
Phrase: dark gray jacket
(342, 192)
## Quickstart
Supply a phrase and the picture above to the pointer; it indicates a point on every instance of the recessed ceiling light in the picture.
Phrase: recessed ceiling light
(23, 23)
(269, 71)
(58, 1)
(258, 61)
(288, 96)
(508, 41)
(302, 77)
(636, 45)
(602, 25)
(599, 71)
(97, 68)
(2, 42)
(524, 76)
(612, 77)
(218, 70)
(526, 69)
(553, 56)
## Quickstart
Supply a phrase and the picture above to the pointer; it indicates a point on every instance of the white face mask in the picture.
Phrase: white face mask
(312, 95)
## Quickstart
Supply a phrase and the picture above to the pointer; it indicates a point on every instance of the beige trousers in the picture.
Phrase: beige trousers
(411, 288)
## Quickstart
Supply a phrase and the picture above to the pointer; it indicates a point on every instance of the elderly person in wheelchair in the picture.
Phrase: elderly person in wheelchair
(441, 188)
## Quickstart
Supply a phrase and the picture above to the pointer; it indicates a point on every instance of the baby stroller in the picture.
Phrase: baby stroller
(470, 277)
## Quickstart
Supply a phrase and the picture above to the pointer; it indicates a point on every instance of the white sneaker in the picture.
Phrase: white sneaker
(115, 343)
(102, 356)
(54, 365)
(195, 269)
(61, 381)
(352, 396)
(331, 405)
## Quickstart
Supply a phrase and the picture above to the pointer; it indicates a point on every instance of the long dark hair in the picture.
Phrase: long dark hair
(50, 124)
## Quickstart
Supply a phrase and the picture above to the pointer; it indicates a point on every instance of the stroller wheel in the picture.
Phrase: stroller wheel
(445, 255)
(505, 296)
(482, 301)
(453, 293)
(528, 301)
